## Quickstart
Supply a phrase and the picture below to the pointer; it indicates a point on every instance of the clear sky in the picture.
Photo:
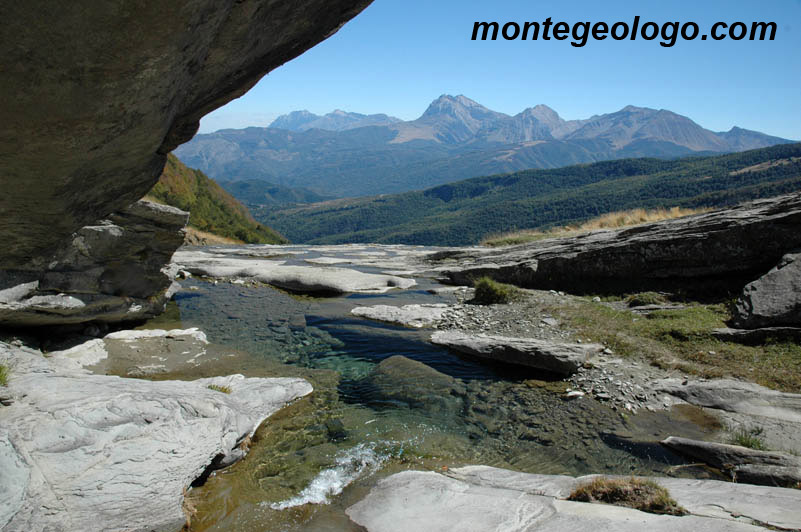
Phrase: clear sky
(399, 55)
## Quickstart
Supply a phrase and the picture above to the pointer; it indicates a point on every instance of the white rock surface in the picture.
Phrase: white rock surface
(560, 358)
(407, 315)
(295, 278)
(101, 453)
(480, 498)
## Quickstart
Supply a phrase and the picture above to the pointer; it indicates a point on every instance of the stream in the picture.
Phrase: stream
(374, 413)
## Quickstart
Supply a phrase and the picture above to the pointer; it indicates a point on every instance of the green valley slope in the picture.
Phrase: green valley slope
(464, 212)
(211, 209)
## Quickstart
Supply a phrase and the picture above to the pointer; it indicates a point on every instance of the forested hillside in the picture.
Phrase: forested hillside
(466, 211)
(211, 209)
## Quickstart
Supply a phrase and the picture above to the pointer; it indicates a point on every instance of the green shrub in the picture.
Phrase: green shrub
(3, 375)
(641, 494)
(751, 438)
(489, 292)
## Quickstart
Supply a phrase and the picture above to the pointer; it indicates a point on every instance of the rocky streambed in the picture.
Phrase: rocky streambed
(407, 375)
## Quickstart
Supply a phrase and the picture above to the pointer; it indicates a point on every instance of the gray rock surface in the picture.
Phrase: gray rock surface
(731, 246)
(562, 358)
(768, 468)
(95, 452)
(773, 300)
(478, 499)
(110, 272)
(304, 279)
(407, 315)
(757, 336)
(87, 125)
(735, 396)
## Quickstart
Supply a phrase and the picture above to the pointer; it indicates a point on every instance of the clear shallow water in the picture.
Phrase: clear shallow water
(367, 418)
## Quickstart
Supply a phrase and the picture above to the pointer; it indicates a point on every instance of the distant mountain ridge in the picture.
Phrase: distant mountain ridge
(336, 120)
(455, 138)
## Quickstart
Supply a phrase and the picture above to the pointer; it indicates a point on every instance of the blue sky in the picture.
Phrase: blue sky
(398, 55)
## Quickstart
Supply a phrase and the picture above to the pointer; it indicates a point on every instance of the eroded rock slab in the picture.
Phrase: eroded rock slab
(768, 468)
(94, 452)
(304, 279)
(773, 300)
(562, 358)
(731, 246)
(111, 272)
(407, 315)
(482, 498)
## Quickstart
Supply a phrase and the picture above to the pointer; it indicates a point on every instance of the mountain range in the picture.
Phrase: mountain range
(455, 138)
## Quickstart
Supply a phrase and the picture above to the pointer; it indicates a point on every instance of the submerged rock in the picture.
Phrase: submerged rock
(95, 452)
(480, 498)
(562, 358)
(773, 300)
(110, 272)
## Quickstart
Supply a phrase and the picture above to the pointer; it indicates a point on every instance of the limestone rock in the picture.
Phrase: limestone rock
(305, 279)
(476, 499)
(87, 125)
(773, 300)
(110, 272)
(95, 452)
(562, 358)
(731, 246)
(769, 468)
(407, 315)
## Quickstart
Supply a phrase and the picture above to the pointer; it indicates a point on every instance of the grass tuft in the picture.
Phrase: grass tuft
(489, 292)
(612, 220)
(4, 372)
(641, 494)
(218, 388)
(645, 298)
(751, 438)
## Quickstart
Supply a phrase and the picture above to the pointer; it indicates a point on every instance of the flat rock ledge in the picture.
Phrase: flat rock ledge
(767, 468)
(94, 452)
(480, 498)
(302, 279)
(561, 358)
(408, 315)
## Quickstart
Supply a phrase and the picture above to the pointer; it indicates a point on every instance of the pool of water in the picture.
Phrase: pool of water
(386, 400)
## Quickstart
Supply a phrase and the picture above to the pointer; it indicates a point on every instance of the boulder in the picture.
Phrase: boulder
(95, 452)
(407, 315)
(87, 125)
(561, 358)
(110, 272)
(773, 300)
(768, 468)
(304, 279)
(727, 247)
(479, 498)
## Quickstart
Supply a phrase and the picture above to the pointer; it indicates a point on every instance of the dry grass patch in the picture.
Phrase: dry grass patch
(640, 494)
(612, 220)
(682, 339)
